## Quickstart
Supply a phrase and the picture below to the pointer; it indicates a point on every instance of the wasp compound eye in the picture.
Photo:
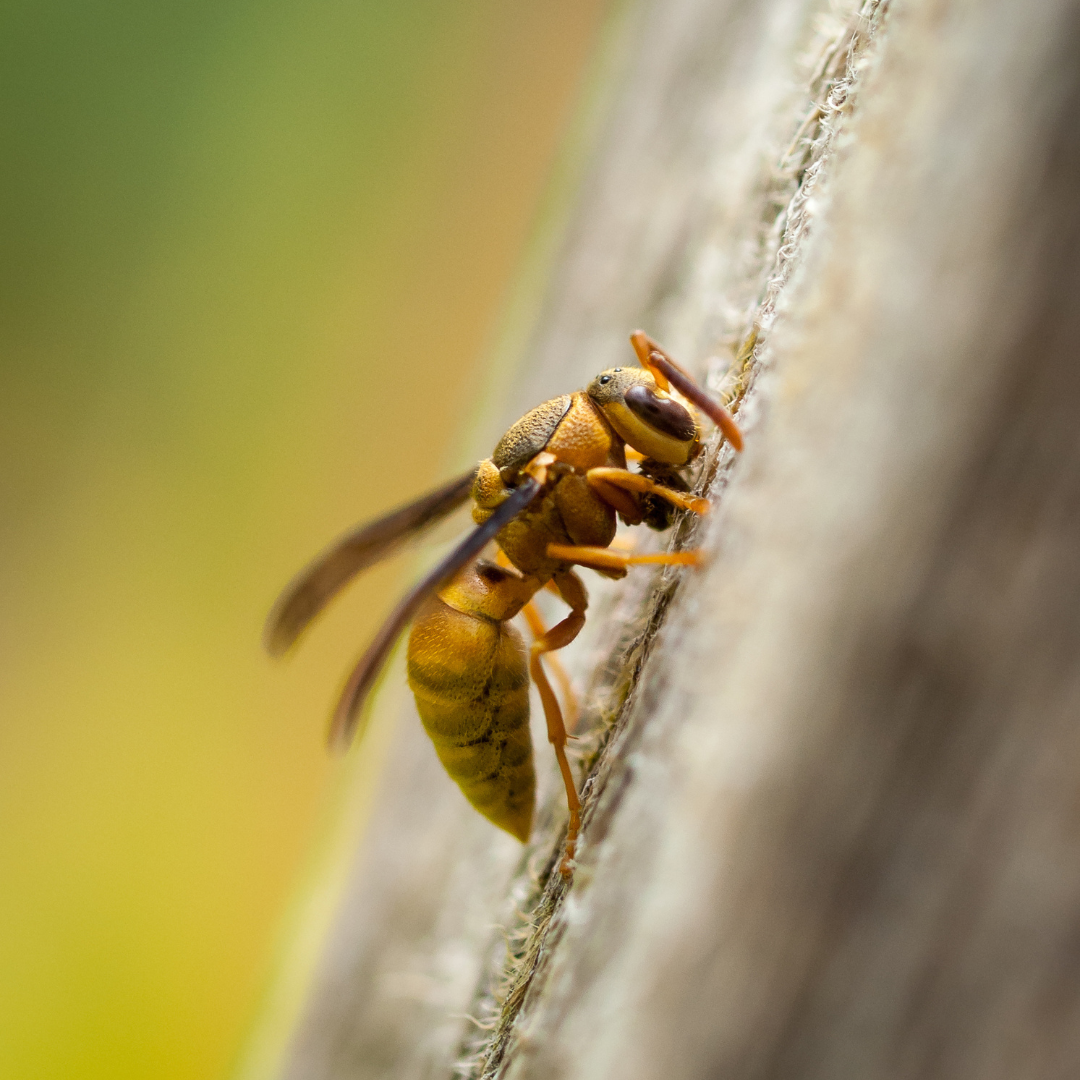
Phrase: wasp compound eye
(662, 414)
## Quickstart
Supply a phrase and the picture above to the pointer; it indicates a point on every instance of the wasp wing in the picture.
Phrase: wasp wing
(313, 588)
(343, 726)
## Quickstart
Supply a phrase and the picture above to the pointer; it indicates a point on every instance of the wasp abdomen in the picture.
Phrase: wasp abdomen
(469, 675)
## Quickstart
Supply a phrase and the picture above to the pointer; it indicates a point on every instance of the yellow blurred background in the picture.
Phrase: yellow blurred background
(250, 258)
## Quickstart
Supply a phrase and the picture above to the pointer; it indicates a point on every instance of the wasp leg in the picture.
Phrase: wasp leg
(536, 625)
(502, 559)
(602, 479)
(624, 503)
(573, 593)
(598, 558)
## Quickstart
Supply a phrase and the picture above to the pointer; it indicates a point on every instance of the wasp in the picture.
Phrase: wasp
(549, 498)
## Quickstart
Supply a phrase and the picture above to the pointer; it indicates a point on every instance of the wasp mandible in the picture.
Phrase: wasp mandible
(548, 497)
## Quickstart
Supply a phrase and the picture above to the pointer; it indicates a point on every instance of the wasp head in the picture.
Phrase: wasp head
(648, 419)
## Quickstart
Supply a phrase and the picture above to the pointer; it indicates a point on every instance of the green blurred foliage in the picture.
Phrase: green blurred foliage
(249, 255)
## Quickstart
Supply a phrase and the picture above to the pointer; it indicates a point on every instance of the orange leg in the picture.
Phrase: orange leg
(600, 479)
(616, 497)
(536, 625)
(560, 635)
(598, 558)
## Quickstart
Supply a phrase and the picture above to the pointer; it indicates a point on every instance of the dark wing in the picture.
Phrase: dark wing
(310, 591)
(344, 722)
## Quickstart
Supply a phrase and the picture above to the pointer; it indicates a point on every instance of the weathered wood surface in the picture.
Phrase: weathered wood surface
(832, 825)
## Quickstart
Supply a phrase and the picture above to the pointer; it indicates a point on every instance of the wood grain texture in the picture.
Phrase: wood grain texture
(831, 818)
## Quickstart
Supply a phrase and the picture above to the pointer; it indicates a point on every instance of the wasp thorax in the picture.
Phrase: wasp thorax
(648, 419)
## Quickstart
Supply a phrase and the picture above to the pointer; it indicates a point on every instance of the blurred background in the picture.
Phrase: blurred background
(251, 256)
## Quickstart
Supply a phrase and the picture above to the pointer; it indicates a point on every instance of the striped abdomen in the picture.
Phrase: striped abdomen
(470, 678)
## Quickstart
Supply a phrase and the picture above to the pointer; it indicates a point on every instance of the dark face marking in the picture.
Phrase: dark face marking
(663, 414)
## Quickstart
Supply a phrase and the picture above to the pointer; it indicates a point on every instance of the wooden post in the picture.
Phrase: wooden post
(831, 822)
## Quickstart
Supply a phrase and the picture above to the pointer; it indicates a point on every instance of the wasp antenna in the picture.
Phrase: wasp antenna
(692, 392)
(651, 356)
